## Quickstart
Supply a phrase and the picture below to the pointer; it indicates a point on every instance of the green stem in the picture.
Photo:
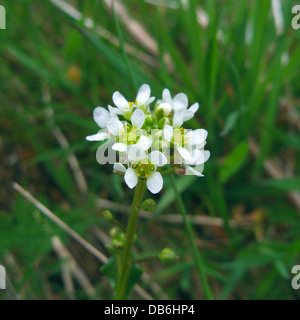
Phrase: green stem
(129, 240)
(169, 171)
(197, 257)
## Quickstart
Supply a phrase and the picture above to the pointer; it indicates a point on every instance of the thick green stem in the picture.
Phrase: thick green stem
(197, 257)
(129, 240)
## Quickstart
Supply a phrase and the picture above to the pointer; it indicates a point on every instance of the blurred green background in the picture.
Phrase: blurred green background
(239, 59)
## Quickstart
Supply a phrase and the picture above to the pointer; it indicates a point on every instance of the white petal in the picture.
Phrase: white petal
(114, 111)
(206, 155)
(199, 157)
(138, 118)
(188, 115)
(166, 107)
(194, 108)
(150, 100)
(196, 171)
(158, 158)
(168, 132)
(100, 116)
(186, 155)
(143, 94)
(119, 167)
(200, 137)
(180, 102)
(97, 137)
(131, 178)
(197, 137)
(114, 125)
(155, 182)
(177, 157)
(166, 96)
(135, 153)
(121, 147)
(120, 101)
(178, 118)
(144, 143)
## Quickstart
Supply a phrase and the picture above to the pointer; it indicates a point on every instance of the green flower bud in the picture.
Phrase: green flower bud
(114, 232)
(149, 120)
(164, 121)
(167, 256)
(162, 110)
(149, 205)
(107, 215)
(143, 108)
(117, 244)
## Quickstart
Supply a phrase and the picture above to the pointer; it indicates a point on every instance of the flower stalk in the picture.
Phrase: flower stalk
(126, 261)
(151, 143)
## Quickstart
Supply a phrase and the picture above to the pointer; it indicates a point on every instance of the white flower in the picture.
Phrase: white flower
(143, 166)
(125, 108)
(137, 121)
(134, 138)
(179, 105)
(111, 126)
(189, 145)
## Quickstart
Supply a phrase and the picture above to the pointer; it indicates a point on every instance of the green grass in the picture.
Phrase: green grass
(246, 90)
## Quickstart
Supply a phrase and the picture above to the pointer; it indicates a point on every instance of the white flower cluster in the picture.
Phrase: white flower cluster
(159, 130)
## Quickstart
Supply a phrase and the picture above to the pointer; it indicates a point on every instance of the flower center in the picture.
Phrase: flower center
(130, 136)
(133, 103)
(143, 170)
(179, 138)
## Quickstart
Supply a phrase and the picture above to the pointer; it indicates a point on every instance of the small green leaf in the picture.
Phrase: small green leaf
(110, 269)
(282, 269)
(135, 274)
(288, 184)
(234, 161)
(230, 122)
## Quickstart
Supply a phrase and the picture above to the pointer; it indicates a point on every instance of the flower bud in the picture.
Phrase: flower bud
(149, 205)
(117, 244)
(181, 172)
(167, 256)
(149, 120)
(114, 232)
(162, 110)
(164, 121)
(107, 215)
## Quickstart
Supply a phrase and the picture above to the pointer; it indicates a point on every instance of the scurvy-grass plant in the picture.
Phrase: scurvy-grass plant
(149, 142)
